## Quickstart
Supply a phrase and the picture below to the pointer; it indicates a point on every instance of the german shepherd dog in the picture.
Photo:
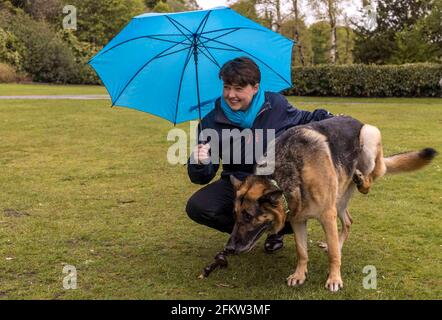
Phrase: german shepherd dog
(317, 168)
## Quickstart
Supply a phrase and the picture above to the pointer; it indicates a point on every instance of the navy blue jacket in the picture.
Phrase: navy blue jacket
(276, 113)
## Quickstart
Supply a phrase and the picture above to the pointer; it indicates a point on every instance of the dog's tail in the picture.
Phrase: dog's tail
(409, 161)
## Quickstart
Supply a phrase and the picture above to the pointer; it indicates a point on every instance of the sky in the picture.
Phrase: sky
(351, 7)
(208, 4)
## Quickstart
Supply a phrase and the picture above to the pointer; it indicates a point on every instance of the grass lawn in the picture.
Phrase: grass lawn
(89, 186)
(48, 89)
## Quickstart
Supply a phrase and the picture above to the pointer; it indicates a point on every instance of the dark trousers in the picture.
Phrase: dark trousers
(212, 206)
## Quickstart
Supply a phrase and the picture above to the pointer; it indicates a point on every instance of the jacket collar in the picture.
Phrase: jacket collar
(221, 118)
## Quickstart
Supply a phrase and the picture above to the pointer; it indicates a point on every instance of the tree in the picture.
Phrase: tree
(161, 7)
(422, 42)
(48, 10)
(10, 49)
(320, 41)
(345, 44)
(296, 37)
(329, 9)
(271, 10)
(44, 55)
(150, 4)
(247, 8)
(183, 5)
(302, 53)
(394, 19)
(346, 33)
(99, 21)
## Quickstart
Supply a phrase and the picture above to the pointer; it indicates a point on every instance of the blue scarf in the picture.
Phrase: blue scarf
(244, 119)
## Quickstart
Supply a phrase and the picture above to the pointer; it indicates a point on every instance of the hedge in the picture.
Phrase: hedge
(7, 73)
(410, 80)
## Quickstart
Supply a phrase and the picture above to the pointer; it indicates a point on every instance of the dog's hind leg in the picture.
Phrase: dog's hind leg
(346, 222)
(363, 182)
(298, 278)
(345, 218)
(371, 160)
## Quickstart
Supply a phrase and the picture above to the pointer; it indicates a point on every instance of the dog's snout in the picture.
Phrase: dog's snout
(230, 250)
(230, 247)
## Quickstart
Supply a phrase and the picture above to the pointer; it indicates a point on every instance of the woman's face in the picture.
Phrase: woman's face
(239, 98)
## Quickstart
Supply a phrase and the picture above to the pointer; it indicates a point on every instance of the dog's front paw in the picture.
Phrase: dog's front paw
(334, 283)
(296, 279)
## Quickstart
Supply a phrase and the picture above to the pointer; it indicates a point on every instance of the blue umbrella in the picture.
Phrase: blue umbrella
(168, 64)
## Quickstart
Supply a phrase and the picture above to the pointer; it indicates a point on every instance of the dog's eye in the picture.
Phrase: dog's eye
(247, 216)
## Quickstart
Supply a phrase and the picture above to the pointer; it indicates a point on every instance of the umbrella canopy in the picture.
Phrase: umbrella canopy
(168, 64)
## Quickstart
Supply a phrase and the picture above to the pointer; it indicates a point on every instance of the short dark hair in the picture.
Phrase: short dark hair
(241, 71)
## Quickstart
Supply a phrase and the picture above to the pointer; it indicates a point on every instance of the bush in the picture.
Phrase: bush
(410, 80)
(10, 49)
(83, 52)
(7, 73)
(46, 55)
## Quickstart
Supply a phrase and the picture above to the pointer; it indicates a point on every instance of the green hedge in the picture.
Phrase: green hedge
(411, 80)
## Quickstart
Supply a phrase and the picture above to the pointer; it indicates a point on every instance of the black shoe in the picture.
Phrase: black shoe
(273, 243)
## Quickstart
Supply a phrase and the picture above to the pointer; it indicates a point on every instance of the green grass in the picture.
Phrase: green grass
(93, 189)
(48, 89)
(352, 101)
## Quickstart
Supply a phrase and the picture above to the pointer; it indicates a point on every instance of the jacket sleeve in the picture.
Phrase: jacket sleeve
(201, 173)
(297, 117)
(316, 115)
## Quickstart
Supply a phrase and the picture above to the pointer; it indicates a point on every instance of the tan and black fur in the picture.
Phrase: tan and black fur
(317, 168)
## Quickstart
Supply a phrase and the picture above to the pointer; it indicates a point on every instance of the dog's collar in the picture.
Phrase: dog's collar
(284, 199)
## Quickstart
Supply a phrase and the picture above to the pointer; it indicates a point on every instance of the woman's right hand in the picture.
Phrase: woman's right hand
(201, 154)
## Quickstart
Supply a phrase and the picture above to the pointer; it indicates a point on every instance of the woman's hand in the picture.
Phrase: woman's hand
(201, 154)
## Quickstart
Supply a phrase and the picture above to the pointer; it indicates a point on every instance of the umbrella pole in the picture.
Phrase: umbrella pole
(195, 57)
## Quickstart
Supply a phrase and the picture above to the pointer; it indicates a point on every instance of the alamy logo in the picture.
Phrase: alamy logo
(370, 280)
(228, 146)
(70, 280)
(70, 20)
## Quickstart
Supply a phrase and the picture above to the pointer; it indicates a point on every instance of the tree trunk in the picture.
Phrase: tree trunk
(347, 40)
(333, 40)
(278, 21)
(296, 31)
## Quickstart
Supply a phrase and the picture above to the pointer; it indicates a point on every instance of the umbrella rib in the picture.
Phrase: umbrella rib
(176, 51)
(174, 22)
(232, 28)
(181, 82)
(203, 23)
(150, 37)
(212, 57)
(222, 35)
(145, 65)
(226, 49)
(159, 39)
(253, 56)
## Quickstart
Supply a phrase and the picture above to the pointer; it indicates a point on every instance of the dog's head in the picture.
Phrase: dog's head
(258, 207)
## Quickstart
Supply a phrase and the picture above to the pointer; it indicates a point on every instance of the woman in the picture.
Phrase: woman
(242, 106)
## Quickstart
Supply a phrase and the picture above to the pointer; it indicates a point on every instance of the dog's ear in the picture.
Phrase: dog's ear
(235, 182)
(271, 197)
